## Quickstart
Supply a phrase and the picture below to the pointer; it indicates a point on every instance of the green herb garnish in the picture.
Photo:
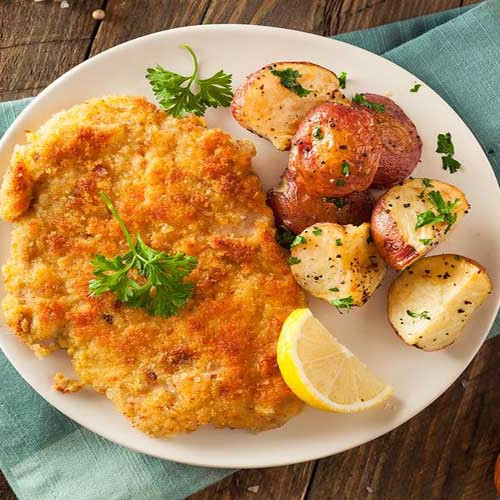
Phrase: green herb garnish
(450, 164)
(284, 237)
(298, 240)
(342, 79)
(421, 315)
(293, 260)
(425, 241)
(317, 133)
(317, 231)
(360, 99)
(345, 303)
(338, 242)
(344, 168)
(340, 182)
(335, 289)
(174, 94)
(444, 212)
(288, 78)
(161, 289)
(445, 145)
(415, 87)
(338, 202)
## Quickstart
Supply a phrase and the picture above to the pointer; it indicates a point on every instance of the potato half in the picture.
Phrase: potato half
(430, 302)
(404, 207)
(266, 107)
(297, 209)
(335, 263)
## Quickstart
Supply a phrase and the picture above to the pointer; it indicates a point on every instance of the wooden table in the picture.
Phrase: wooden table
(446, 452)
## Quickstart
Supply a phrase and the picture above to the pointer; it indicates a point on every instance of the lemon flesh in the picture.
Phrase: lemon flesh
(321, 371)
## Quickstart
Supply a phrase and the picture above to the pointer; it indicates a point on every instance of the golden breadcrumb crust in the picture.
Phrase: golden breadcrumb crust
(187, 189)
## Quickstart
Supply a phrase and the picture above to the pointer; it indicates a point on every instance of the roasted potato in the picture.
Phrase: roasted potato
(401, 144)
(430, 302)
(296, 209)
(413, 217)
(263, 105)
(339, 264)
(336, 150)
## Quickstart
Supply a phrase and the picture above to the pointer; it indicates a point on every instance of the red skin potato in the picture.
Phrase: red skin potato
(388, 240)
(402, 146)
(343, 134)
(297, 209)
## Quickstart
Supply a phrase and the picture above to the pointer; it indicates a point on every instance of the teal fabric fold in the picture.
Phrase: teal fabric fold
(46, 456)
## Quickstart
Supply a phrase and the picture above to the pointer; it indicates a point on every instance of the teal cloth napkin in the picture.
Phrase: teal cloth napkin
(46, 456)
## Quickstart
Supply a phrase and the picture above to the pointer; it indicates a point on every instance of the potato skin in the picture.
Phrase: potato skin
(395, 214)
(448, 288)
(401, 144)
(297, 209)
(264, 106)
(331, 136)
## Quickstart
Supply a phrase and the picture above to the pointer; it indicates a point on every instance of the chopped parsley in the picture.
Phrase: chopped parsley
(293, 260)
(446, 147)
(421, 315)
(345, 169)
(360, 99)
(284, 237)
(444, 212)
(342, 79)
(415, 87)
(425, 241)
(338, 202)
(334, 289)
(427, 183)
(317, 231)
(340, 182)
(298, 240)
(345, 303)
(317, 133)
(288, 78)
(338, 242)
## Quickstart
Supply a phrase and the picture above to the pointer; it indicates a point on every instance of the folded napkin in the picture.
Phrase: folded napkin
(46, 456)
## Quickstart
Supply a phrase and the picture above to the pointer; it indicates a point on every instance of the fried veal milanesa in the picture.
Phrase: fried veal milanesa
(185, 188)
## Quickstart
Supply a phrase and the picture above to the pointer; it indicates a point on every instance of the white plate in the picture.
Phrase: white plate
(418, 377)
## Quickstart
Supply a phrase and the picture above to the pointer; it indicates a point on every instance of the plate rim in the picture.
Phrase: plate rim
(304, 456)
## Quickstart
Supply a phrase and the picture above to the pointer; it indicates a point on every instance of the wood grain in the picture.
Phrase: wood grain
(41, 41)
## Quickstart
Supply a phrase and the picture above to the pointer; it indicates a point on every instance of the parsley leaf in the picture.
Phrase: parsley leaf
(317, 133)
(444, 212)
(415, 87)
(342, 79)
(340, 182)
(338, 202)
(360, 99)
(425, 241)
(338, 242)
(334, 289)
(444, 144)
(161, 291)
(344, 303)
(284, 237)
(288, 78)
(421, 315)
(450, 164)
(317, 231)
(345, 169)
(174, 93)
(298, 240)
(293, 260)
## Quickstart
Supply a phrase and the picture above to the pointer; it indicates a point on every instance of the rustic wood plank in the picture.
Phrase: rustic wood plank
(288, 483)
(446, 452)
(40, 41)
(130, 19)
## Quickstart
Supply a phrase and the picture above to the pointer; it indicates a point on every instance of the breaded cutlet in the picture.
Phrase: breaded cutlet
(186, 188)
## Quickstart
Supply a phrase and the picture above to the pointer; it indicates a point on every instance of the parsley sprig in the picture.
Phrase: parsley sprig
(361, 99)
(288, 78)
(343, 303)
(446, 147)
(420, 315)
(444, 212)
(175, 95)
(342, 79)
(161, 289)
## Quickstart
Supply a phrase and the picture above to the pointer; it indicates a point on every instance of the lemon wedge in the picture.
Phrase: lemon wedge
(321, 371)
